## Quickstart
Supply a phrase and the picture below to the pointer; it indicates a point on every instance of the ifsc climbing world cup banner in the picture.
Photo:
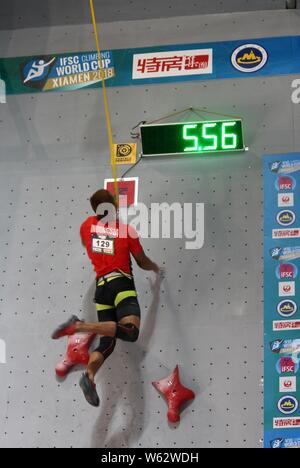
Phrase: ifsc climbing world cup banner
(282, 300)
(66, 72)
(243, 58)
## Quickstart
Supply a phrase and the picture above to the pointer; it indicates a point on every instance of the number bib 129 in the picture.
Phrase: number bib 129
(104, 246)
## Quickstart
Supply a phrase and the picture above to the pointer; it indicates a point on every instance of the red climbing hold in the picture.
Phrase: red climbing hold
(77, 353)
(175, 393)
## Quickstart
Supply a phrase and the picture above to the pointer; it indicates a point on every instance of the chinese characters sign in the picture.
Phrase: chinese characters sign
(175, 63)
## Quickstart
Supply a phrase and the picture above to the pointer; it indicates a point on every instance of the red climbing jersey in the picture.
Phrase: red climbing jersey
(109, 248)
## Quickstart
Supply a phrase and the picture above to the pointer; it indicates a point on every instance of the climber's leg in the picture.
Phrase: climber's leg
(106, 314)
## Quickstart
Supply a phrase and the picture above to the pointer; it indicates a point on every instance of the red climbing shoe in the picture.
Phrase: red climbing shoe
(66, 329)
(89, 390)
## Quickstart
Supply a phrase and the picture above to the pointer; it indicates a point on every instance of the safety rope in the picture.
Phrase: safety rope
(106, 105)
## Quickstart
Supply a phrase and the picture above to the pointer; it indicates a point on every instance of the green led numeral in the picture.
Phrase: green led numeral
(214, 138)
(188, 137)
(226, 136)
(218, 136)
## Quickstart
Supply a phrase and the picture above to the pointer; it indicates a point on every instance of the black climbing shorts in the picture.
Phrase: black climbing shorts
(116, 298)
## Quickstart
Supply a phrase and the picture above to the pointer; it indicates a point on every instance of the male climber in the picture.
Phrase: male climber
(109, 245)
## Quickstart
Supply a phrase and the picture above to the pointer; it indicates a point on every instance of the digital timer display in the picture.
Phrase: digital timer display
(192, 138)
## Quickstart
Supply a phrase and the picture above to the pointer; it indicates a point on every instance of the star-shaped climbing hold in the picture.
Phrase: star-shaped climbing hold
(77, 353)
(175, 394)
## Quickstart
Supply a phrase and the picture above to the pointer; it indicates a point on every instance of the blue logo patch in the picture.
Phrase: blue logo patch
(249, 58)
(288, 405)
(287, 309)
(285, 443)
(276, 346)
(286, 218)
(276, 253)
(36, 70)
(277, 444)
(275, 166)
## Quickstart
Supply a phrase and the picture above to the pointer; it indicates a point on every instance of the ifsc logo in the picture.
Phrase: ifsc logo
(288, 405)
(287, 365)
(249, 58)
(35, 72)
(285, 184)
(287, 271)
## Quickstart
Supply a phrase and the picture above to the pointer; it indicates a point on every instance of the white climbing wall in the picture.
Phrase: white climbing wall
(206, 315)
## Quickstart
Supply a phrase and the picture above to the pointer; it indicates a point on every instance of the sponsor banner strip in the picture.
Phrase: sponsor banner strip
(286, 233)
(282, 300)
(150, 65)
(287, 423)
(284, 325)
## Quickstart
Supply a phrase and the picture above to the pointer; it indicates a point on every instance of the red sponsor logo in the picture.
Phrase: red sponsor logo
(287, 366)
(286, 233)
(287, 271)
(287, 325)
(285, 183)
(177, 63)
(286, 422)
(288, 384)
(167, 64)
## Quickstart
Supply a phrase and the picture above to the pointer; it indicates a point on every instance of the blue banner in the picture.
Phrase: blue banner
(151, 65)
(282, 300)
